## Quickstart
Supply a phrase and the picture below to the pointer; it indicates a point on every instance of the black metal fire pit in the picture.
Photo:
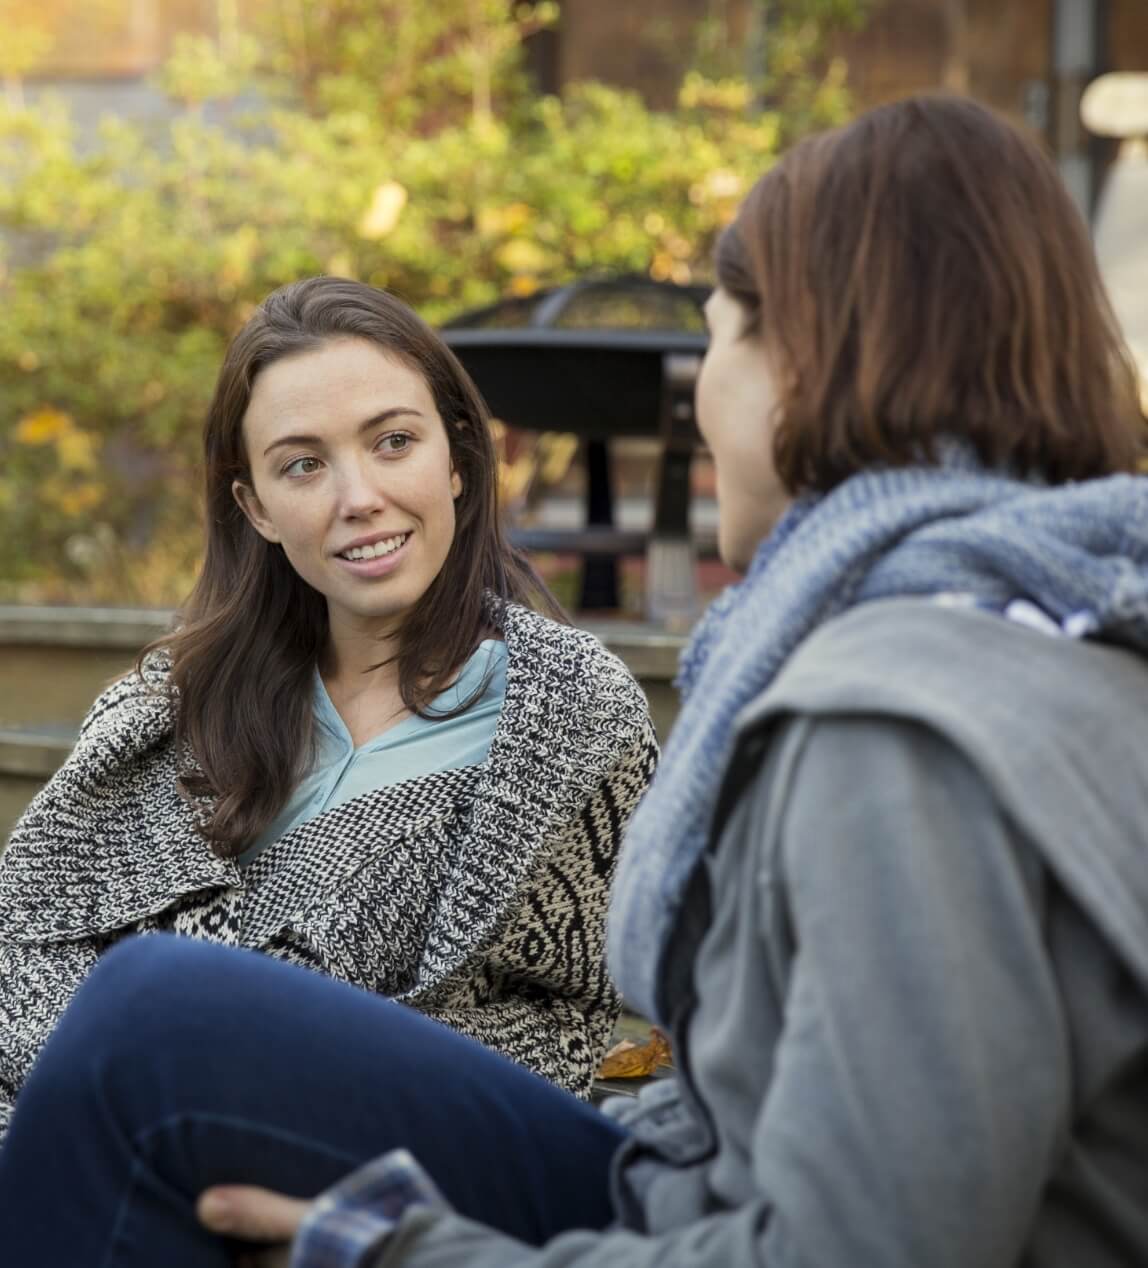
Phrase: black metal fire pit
(602, 358)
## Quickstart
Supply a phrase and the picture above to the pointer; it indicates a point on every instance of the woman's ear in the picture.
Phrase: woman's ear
(252, 508)
(455, 484)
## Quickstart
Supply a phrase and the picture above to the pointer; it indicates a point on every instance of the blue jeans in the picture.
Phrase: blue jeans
(181, 1064)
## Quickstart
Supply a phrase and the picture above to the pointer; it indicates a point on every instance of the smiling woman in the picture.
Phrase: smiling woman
(353, 493)
(362, 750)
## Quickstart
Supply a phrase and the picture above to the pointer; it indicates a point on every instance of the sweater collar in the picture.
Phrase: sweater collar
(110, 841)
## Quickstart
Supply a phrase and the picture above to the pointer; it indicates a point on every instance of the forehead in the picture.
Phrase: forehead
(343, 380)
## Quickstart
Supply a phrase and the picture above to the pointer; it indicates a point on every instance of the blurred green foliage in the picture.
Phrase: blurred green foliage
(395, 142)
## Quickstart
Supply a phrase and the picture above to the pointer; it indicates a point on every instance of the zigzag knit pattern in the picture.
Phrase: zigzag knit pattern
(476, 895)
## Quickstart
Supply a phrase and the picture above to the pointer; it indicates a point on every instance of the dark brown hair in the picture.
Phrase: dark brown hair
(923, 272)
(252, 631)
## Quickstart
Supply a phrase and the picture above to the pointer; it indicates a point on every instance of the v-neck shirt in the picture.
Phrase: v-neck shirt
(413, 747)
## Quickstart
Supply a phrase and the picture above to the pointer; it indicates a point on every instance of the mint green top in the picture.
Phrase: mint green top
(416, 746)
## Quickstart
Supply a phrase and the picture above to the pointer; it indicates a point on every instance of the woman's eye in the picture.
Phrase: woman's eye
(394, 442)
(302, 467)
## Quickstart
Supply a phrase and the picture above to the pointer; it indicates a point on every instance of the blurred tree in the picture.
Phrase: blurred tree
(397, 143)
(786, 62)
(413, 66)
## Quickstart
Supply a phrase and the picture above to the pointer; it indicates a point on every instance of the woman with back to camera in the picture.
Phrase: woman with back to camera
(360, 751)
(888, 889)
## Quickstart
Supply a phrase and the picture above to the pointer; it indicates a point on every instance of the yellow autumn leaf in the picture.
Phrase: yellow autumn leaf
(514, 477)
(662, 266)
(520, 255)
(488, 221)
(383, 214)
(516, 216)
(556, 451)
(340, 265)
(237, 257)
(70, 498)
(629, 1060)
(76, 450)
(42, 427)
(508, 218)
(724, 183)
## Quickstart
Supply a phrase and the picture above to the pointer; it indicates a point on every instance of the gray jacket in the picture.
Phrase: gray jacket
(911, 977)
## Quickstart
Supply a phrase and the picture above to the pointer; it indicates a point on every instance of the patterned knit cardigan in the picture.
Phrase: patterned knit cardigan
(476, 895)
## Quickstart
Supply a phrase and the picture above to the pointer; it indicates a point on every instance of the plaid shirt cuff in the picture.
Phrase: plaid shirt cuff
(350, 1223)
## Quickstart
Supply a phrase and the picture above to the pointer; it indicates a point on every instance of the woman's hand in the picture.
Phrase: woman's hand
(254, 1215)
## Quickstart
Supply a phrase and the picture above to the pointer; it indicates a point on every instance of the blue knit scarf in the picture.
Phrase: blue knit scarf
(1075, 551)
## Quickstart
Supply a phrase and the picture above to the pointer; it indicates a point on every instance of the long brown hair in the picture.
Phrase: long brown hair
(251, 632)
(923, 272)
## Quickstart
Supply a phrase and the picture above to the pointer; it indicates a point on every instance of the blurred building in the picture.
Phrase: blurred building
(1031, 58)
(102, 55)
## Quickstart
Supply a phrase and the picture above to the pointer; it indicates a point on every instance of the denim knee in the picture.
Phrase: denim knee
(136, 1001)
(144, 960)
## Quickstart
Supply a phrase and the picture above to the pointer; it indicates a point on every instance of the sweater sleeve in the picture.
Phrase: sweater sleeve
(547, 1000)
(920, 1085)
(37, 983)
(7, 1097)
(42, 874)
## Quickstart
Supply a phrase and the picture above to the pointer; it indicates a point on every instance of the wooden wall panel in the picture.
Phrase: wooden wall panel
(112, 38)
(1128, 35)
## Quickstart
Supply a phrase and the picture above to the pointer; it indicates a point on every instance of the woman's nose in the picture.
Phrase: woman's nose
(360, 490)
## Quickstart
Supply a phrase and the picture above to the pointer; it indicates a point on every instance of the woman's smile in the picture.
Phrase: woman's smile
(377, 558)
(351, 474)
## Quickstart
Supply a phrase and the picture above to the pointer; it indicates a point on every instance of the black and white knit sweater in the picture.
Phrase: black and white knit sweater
(476, 895)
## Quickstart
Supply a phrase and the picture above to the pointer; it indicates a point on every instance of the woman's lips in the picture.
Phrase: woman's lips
(378, 566)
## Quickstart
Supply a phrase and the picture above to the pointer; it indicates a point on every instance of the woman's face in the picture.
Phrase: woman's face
(351, 474)
(736, 398)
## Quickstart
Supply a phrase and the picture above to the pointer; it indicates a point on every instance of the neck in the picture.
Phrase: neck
(361, 656)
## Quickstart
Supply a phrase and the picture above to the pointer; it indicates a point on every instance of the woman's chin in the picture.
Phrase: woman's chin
(734, 558)
(737, 549)
(738, 545)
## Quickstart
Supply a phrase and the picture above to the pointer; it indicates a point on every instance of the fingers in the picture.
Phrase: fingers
(251, 1214)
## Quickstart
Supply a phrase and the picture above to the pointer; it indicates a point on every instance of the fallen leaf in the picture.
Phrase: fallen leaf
(629, 1060)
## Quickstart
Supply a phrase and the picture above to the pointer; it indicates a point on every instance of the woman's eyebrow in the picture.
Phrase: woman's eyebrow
(301, 438)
